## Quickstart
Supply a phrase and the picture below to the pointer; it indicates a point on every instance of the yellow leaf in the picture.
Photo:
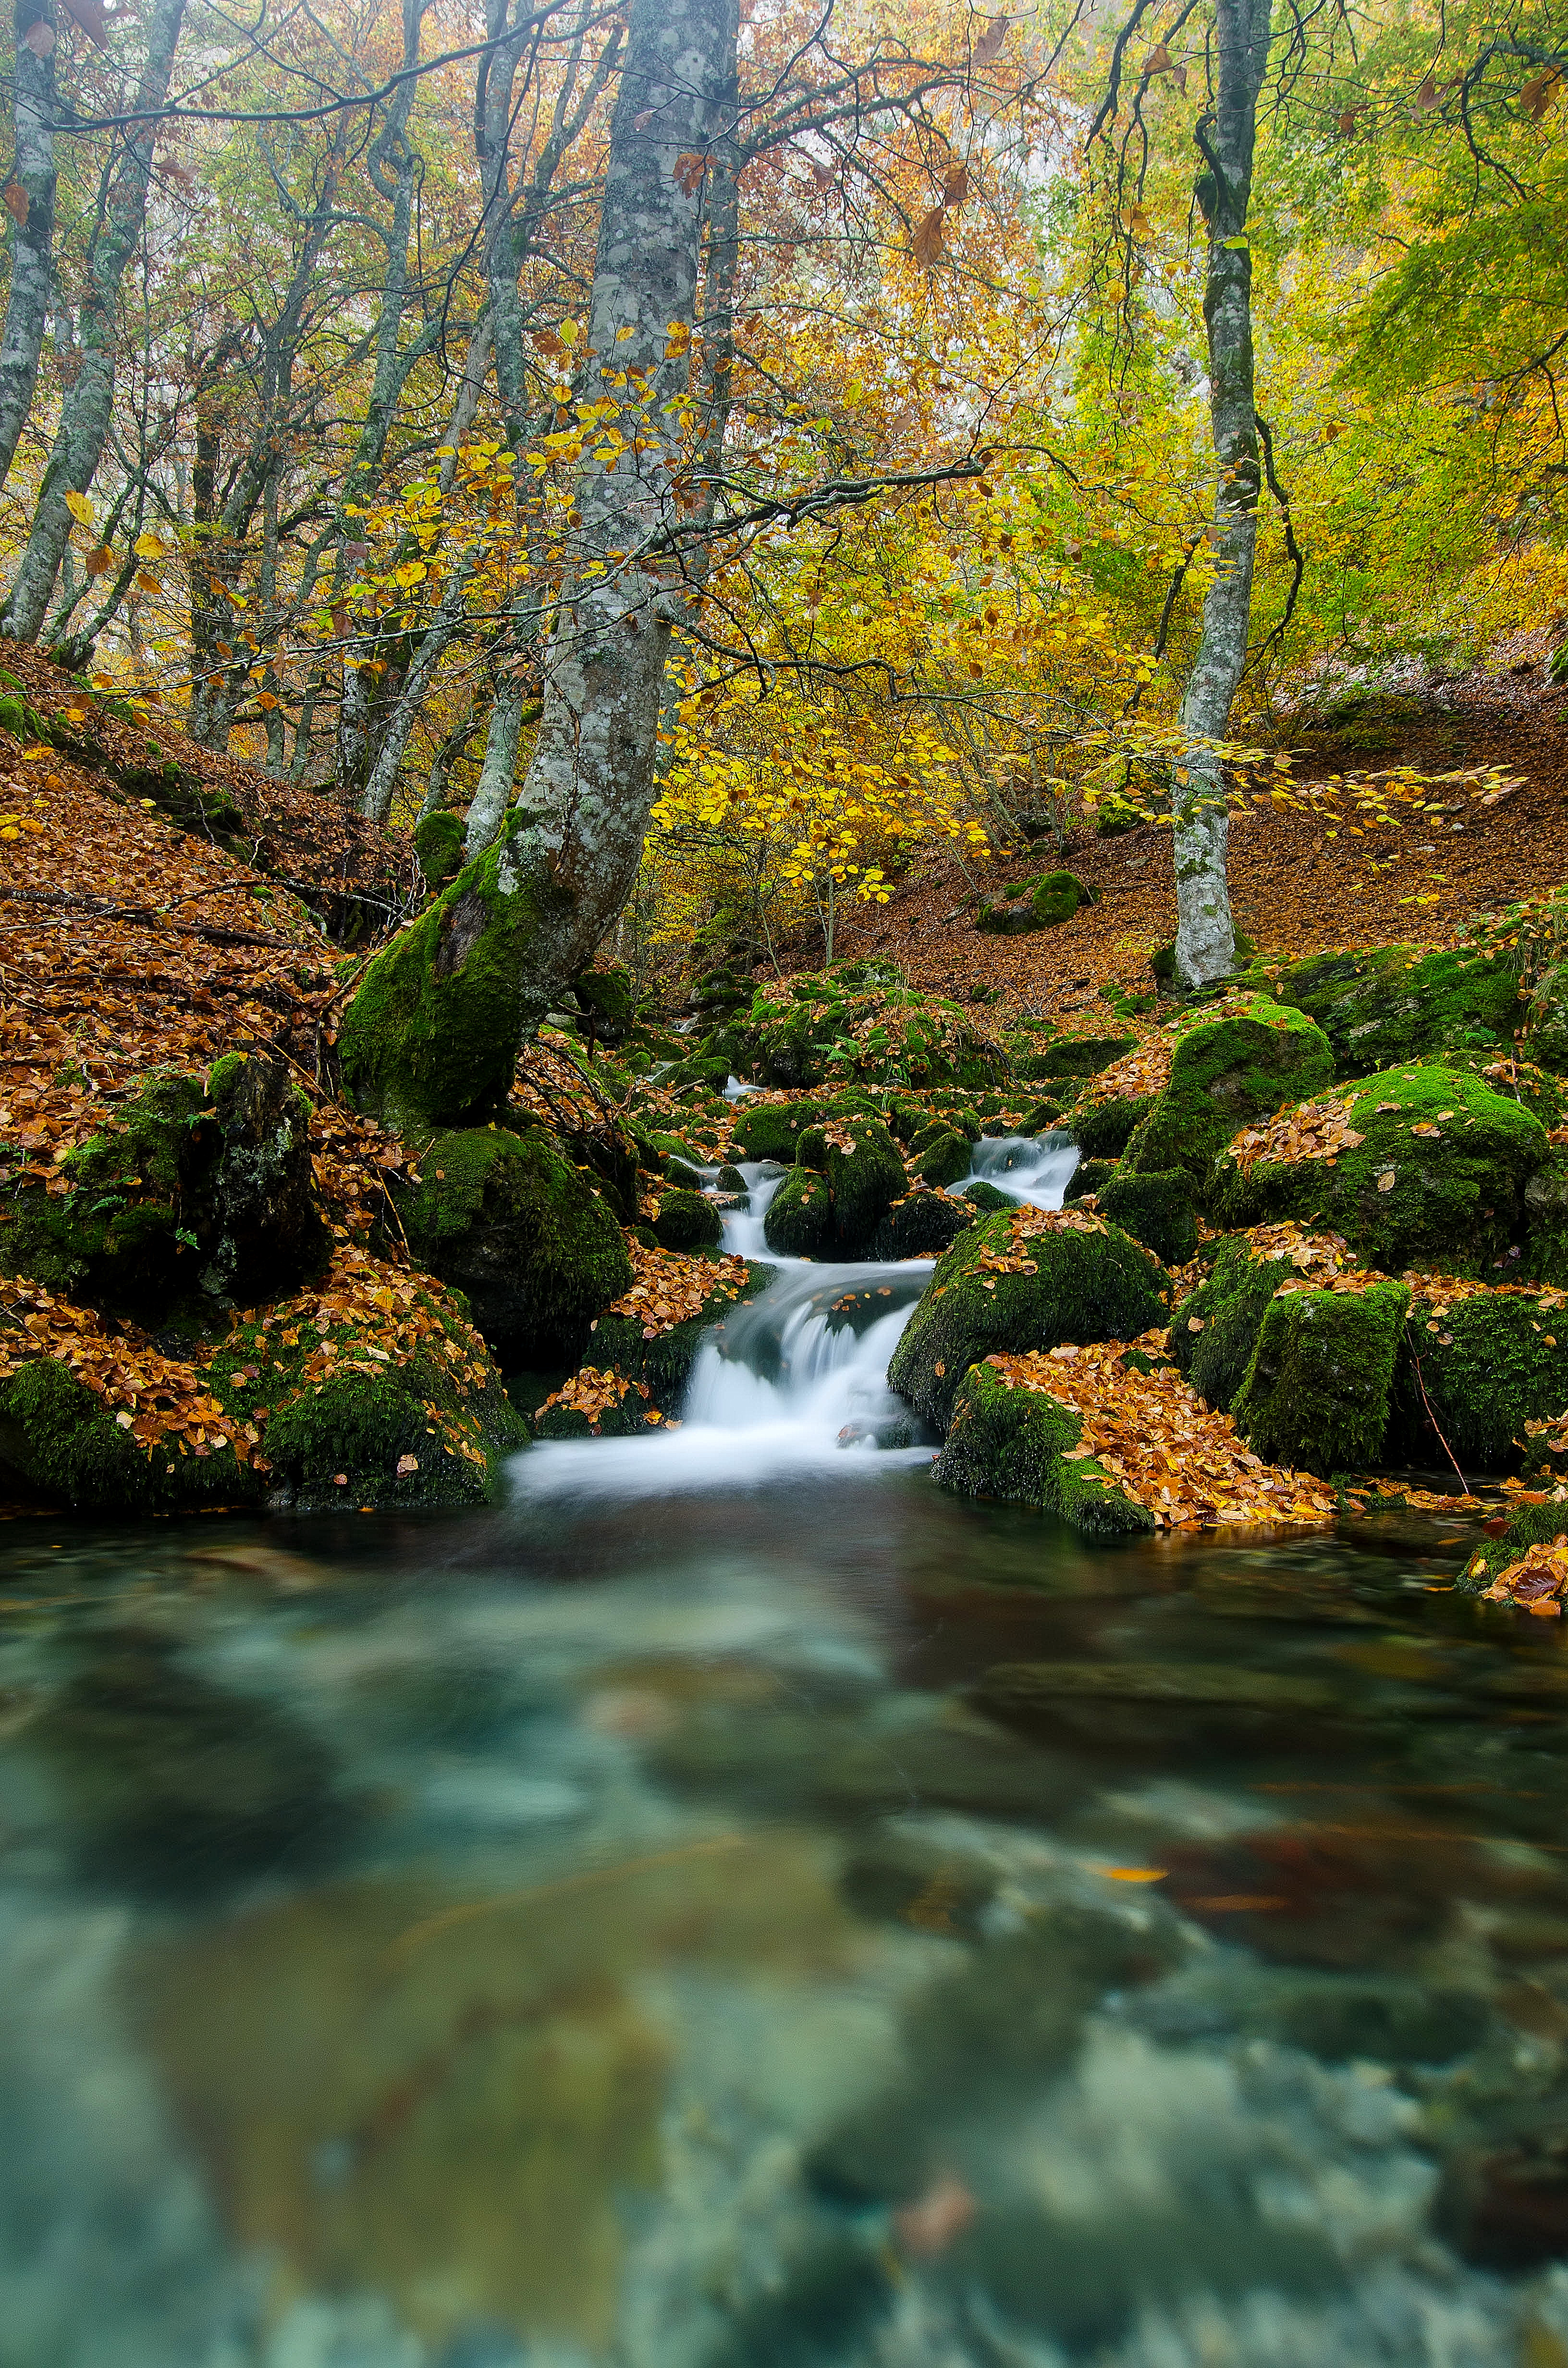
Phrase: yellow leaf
(80, 508)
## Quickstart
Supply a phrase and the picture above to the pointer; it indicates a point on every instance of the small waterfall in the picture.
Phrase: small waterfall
(1035, 1168)
(743, 1227)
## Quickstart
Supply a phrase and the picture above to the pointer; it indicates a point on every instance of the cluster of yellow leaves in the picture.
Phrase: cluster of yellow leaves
(1157, 1441)
(1308, 1252)
(667, 1290)
(1310, 1131)
(1534, 1583)
(596, 1391)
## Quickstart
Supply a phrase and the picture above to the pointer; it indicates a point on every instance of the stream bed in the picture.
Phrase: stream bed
(736, 1907)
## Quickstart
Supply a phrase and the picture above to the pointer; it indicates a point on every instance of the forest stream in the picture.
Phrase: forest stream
(733, 1906)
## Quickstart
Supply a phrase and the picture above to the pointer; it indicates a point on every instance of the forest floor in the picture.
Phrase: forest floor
(1295, 890)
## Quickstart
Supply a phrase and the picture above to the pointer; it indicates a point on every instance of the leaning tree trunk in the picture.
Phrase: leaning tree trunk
(1206, 945)
(434, 1030)
(32, 241)
(85, 415)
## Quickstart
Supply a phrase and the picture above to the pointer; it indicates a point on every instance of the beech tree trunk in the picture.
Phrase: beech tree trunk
(1206, 942)
(85, 415)
(582, 810)
(32, 239)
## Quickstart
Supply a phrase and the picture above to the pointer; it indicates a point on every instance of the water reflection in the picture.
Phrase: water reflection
(851, 1927)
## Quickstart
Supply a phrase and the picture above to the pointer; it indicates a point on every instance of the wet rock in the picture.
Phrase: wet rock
(687, 1221)
(944, 1160)
(509, 1220)
(921, 1224)
(846, 1177)
(1224, 1074)
(1084, 1286)
(1316, 1393)
(1020, 1446)
(986, 1198)
(1155, 1207)
(198, 1193)
(1104, 1130)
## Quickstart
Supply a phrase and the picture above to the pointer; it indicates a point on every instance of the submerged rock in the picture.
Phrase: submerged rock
(198, 1190)
(1024, 1279)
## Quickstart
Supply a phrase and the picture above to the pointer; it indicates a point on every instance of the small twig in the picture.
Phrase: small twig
(1431, 1417)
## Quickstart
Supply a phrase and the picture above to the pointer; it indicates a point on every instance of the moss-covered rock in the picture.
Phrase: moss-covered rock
(197, 1191)
(1545, 1252)
(1225, 1071)
(1476, 1373)
(1155, 1209)
(687, 1221)
(1015, 1444)
(438, 844)
(1104, 1130)
(771, 1130)
(1380, 1008)
(1090, 1177)
(1214, 1330)
(1525, 1526)
(985, 1197)
(431, 1038)
(1024, 1278)
(858, 1161)
(843, 1029)
(1317, 1393)
(1043, 903)
(522, 1233)
(659, 1368)
(1546, 1020)
(944, 1160)
(922, 1224)
(1074, 1056)
(1437, 1177)
(799, 1216)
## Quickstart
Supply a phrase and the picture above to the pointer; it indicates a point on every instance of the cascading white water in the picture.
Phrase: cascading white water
(1035, 1168)
(797, 1377)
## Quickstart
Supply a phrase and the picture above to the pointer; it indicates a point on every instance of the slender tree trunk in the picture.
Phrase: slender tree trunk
(84, 415)
(32, 239)
(1206, 945)
(584, 807)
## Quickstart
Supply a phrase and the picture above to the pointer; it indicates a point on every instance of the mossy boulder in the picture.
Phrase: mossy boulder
(1545, 1251)
(1380, 1008)
(985, 1197)
(1155, 1209)
(1015, 1444)
(1437, 1178)
(921, 1225)
(438, 844)
(1104, 1130)
(1074, 1056)
(944, 1160)
(196, 1192)
(304, 1409)
(524, 1234)
(656, 1371)
(1023, 1279)
(687, 1221)
(1476, 1372)
(771, 1130)
(1546, 1020)
(1214, 1329)
(1317, 1393)
(430, 1040)
(858, 1161)
(844, 1029)
(1224, 1073)
(1090, 1177)
(1043, 903)
(799, 1216)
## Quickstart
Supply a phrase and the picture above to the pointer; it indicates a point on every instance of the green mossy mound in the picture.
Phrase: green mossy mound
(771, 1130)
(1224, 1074)
(799, 1215)
(1451, 1197)
(1087, 1284)
(846, 1027)
(1043, 903)
(1545, 1254)
(344, 1425)
(1381, 1007)
(1090, 1177)
(1013, 1443)
(195, 1196)
(522, 1233)
(921, 1225)
(982, 1195)
(431, 1038)
(1074, 1056)
(1104, 1130)
(1525, 1526)
(857, 1161)
(945, 1159)
(1475, 1375)
(1317, 1393)
(438, 844)
(687, 1221)
(1155, 1209)
(658, 1370)
(1214, 1330)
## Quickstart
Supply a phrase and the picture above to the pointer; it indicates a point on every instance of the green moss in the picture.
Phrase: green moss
(1155, 1209)
(771, 1130)
(799, 1216)
(984, 1196)
(1526, 1526)
(1013, 1443)
(1056, 898)
(1086, 1286)
(509, 1221)
(687, 1221)
(944, 1160)
(1380, 1008)
(828, 1032)
(1545, 1257)
(1476, 1374)
(1224, 1074)
(431, 1038)
(192, 1196)
(865, 1175)
(60, 1442)
(1075, 1056)
(1091, 1176)
(922, 1224)
(1104, 1130)
(438, 844)
(1451, 1197)
(1214, 1330)
(1317, 1393)
(663, 1366)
